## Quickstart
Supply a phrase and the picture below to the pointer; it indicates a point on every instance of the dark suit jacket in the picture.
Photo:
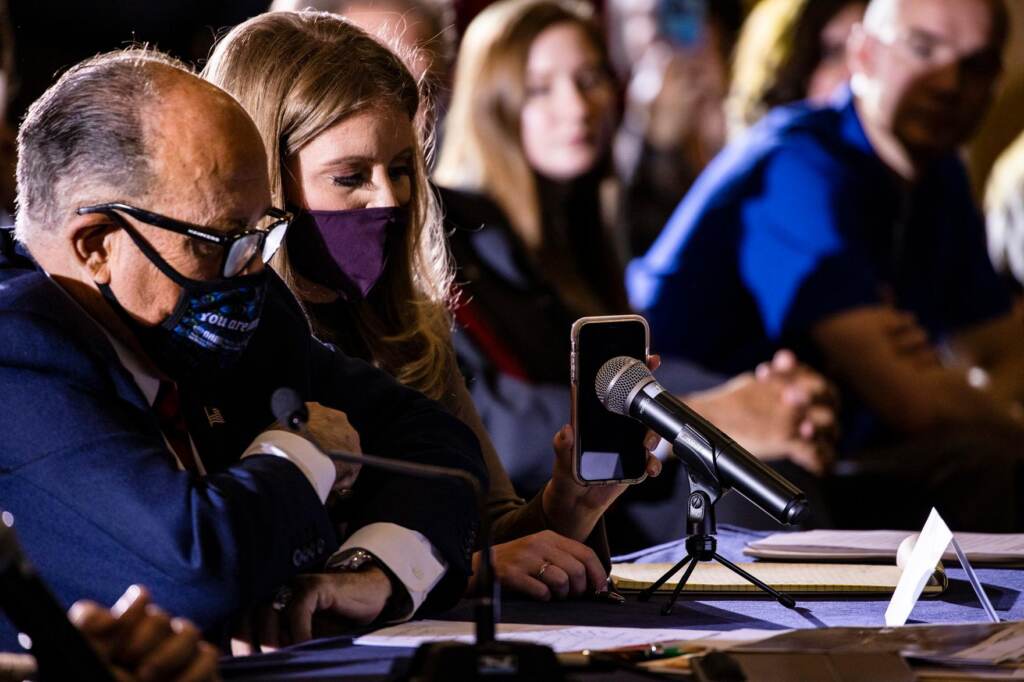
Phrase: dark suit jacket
(99, 503)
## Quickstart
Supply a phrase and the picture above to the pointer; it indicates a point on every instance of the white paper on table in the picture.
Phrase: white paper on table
(829, 543)
(561, 638)
(856, 545)
(928, 550)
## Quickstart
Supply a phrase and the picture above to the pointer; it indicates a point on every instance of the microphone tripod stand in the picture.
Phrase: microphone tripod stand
(702, 545)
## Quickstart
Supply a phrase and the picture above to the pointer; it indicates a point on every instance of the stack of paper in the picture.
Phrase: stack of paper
(881, 545)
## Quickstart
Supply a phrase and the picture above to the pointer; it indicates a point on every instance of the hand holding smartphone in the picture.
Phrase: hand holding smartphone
(609, 448)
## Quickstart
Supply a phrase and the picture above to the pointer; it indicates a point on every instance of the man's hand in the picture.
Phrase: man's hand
(545, 566)
(334, 432)
(861, 349)
(783, 410)
(326, 602)
(908, 338)
(144, 644)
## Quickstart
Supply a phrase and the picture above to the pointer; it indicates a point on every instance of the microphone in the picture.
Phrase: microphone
(443, 660)
(60, 649)
(289, 410)
(625, 386)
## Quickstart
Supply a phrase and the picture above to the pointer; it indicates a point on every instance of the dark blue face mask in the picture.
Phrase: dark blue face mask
(210, 326)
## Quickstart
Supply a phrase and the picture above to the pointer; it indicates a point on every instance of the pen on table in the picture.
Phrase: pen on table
(609, 595)
(647, 652)
(616, 658)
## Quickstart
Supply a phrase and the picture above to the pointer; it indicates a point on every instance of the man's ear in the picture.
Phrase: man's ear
(92, 239)
(859, 53)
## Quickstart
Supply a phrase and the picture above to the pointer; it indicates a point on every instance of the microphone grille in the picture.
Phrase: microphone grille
(287, 407)
(616, 380)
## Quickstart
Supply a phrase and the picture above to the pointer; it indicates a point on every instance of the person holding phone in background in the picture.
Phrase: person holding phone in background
(522, 184)
(673, 57)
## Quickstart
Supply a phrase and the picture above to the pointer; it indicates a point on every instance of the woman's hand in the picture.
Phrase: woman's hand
(572, 509)
(545, 566)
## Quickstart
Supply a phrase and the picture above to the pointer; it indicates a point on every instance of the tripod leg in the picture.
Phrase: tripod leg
(679, 587)
(649, 592)
(783, 599)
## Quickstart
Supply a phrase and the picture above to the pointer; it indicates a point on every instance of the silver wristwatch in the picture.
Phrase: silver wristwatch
(354, 560)
(351, 561)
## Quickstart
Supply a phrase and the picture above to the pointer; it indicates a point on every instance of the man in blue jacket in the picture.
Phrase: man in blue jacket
(829, 229)
(141, 338)
(850, 234)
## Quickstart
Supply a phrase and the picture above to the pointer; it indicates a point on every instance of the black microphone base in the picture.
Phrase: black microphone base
(491, 661)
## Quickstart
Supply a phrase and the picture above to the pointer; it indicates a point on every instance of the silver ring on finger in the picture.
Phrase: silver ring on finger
(281, 598)
(543, 567)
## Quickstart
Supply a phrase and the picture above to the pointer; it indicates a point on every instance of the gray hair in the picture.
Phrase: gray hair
(86, 136)
(880, 16)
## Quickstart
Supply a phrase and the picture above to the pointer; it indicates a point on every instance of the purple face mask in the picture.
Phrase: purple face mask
(344, 250)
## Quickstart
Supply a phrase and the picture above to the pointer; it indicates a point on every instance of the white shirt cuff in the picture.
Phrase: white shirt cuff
(315, 465)
(407, 554)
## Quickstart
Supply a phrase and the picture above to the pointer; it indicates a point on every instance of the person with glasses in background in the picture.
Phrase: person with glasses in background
(141, 339)
(849, 232)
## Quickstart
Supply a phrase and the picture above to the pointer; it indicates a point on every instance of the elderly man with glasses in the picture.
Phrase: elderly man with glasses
(141, 339)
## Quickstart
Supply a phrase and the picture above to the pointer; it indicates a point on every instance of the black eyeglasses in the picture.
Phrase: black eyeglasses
(239, 248)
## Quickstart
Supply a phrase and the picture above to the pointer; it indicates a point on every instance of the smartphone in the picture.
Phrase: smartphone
(682, 22)
(608, 447)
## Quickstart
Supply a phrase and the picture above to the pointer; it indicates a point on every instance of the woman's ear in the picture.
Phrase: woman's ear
(291, 185)
(92, 237)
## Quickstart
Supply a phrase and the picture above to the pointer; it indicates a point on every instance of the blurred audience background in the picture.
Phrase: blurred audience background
(541, 229)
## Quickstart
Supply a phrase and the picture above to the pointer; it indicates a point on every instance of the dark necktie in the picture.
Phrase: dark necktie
(173, 425)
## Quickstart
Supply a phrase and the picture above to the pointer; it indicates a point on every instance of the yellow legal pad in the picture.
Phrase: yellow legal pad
(824, 579)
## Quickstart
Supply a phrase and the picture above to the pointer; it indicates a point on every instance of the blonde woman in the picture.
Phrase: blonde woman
(367, 254)
(530, 124)
(789, 50)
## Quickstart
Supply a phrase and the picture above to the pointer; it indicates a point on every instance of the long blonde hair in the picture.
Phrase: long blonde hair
(484, 150)
(300, 73)
(778, 49)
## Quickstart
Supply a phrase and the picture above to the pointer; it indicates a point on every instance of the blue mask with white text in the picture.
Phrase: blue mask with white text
(209, 328)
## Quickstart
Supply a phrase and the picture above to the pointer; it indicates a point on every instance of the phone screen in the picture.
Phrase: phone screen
(682, 21)
(610, 445)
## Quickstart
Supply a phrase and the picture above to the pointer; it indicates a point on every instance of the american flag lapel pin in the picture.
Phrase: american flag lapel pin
(214, 416)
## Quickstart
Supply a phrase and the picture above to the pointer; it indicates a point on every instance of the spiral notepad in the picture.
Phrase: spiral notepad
(823, 579)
